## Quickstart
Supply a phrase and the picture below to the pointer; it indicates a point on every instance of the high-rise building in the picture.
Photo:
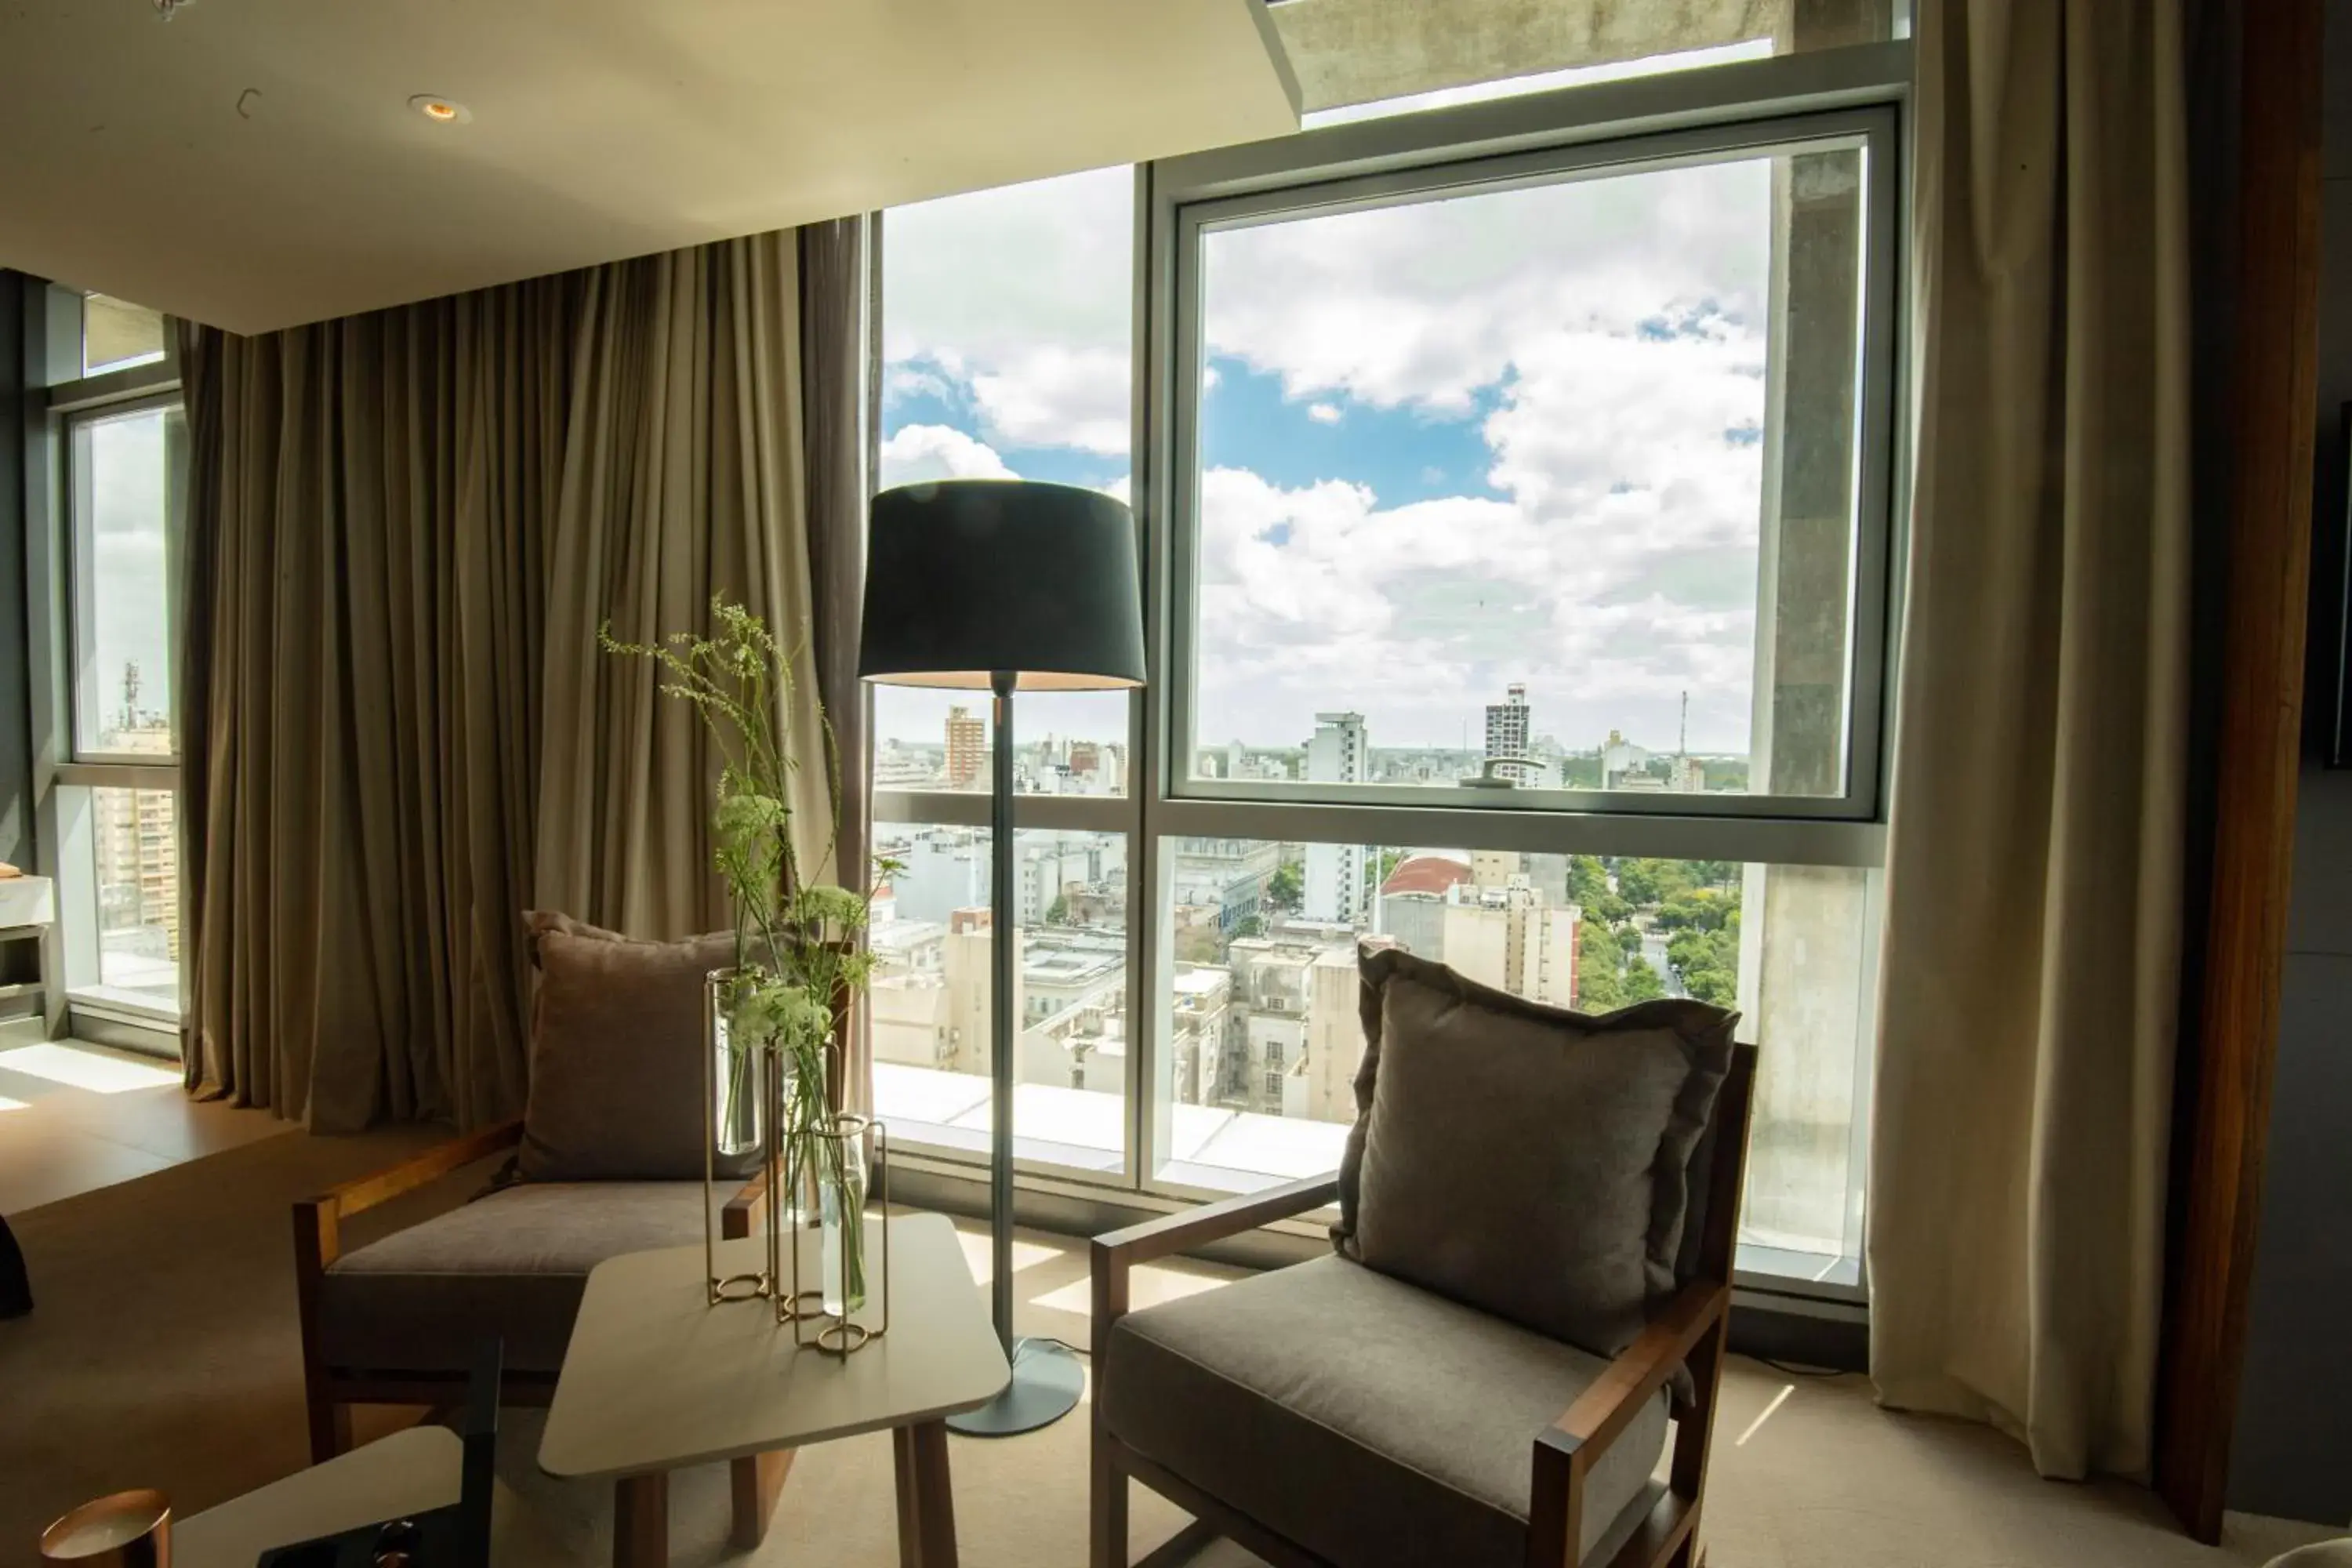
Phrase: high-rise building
(1506, 738)
(1510, 939)
(967, 747)
(1340, 753)
(138, 853)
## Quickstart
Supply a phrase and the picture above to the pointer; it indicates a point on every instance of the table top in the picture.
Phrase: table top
(656, 1379)
(407, 1473)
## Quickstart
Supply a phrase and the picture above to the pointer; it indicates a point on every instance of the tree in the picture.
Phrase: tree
(1637, 884)
(1600, 969)
(1642, 984)
(1249, 925)
(1629, 940)
(1588, 879)
(1610, 909)
(1286, 890)
(1701, 909)
(1198, 944)
(1059, 912)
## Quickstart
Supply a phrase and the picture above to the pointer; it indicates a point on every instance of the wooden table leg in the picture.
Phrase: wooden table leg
(641, 1522)
(755, 1483)
(926, 1502)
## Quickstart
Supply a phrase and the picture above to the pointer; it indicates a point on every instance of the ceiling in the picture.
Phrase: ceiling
(255, 163)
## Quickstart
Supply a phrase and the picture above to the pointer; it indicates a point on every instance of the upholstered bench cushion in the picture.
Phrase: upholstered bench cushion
(514, 1263)
(1368, 1420)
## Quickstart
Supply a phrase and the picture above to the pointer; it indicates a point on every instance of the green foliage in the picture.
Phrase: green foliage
(1249, 925)
(1629, 938)
(797, 957)
(1709, 961)
(1600, 969)
(1286, 888)
(1701, 909)
(1642, 982)
(1588, 880)
(1057, 913)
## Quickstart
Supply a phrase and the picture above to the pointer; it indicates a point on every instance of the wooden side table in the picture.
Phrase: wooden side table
(656, 1379)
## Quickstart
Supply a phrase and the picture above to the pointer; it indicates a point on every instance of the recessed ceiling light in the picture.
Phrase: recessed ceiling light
(440, 110)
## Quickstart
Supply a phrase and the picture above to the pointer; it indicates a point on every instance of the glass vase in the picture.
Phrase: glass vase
(841, 1182)
(739, 1121)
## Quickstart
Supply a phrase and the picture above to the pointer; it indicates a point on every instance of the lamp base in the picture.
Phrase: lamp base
(1046, 1381)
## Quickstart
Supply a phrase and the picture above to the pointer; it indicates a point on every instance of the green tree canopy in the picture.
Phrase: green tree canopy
(1286, 889)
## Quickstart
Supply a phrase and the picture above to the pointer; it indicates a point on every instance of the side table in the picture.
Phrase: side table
(656, 1379)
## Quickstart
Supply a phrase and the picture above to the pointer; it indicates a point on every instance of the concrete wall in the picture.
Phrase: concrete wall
(2292, 1454)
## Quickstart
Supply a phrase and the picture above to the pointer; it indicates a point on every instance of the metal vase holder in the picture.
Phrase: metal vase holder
(785, 1184)
(835, 1332)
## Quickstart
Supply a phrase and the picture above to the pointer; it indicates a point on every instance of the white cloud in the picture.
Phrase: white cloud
(1027, 292)
(1057, 396)
(1604, 335)
(922, 452)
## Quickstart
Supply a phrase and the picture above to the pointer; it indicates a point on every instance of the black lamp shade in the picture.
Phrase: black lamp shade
(967, 577)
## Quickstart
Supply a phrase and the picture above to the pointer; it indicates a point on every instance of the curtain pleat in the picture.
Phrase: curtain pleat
(2033, 861)
(834, 279)
(404, 531)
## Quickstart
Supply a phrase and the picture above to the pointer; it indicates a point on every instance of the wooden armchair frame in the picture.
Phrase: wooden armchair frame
(1688, 1333)
(330, 1391)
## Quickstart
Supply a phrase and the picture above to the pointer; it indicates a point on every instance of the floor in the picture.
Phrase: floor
(1808, 1471)
(76, 1117)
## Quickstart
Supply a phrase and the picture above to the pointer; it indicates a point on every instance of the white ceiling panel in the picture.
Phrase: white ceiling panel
(257, 164)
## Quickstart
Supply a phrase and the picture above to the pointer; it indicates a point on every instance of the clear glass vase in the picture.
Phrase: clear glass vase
(841, 1184)
(739, 1121)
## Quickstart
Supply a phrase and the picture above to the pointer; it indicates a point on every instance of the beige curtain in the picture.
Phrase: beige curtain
(404, 530)
(684, 480)
(2033, 881)
(366, 507)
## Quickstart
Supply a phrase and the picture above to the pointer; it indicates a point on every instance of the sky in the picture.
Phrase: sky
(127, 614)
(1512, 437)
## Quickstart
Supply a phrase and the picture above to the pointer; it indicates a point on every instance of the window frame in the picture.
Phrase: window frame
(1859, 91)
(1195, 203)
(65, 773)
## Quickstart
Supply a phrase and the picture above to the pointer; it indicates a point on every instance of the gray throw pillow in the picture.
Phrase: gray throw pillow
(1522, 1159)
(617, 1044)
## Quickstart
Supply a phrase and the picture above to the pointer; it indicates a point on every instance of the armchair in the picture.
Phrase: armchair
(1326, 1413)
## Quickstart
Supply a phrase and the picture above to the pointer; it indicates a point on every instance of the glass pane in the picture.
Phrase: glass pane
(116, 333)
(1006, 328)
(124, 469)
(1390, 56)
(135, 844)
(1265, 1038)
(931, 1033)
(1548, 487)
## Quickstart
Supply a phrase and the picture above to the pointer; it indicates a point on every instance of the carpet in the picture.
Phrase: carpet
(165, 1352)
(163, 1349)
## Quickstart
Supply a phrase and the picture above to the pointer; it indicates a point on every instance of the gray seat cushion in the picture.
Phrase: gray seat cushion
(1368, 1420)
(513, 1263)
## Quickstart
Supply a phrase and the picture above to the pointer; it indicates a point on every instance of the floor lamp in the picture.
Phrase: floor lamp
(1005, 586)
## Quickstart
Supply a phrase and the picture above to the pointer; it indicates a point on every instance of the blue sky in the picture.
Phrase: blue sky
(1505, 436)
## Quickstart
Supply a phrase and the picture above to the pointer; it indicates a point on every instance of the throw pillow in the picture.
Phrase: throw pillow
(616, 1045)
(1522, 1159)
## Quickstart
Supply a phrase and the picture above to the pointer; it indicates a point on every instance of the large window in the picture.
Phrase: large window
(118, 444)
(1515, 500)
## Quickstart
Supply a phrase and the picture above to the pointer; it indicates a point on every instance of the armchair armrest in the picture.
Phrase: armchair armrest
(1566, 1451)
(1115, 1252)
(365, 1193)
(1213, 1221)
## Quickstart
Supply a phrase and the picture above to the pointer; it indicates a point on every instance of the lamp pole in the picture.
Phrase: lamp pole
(1004, 950)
